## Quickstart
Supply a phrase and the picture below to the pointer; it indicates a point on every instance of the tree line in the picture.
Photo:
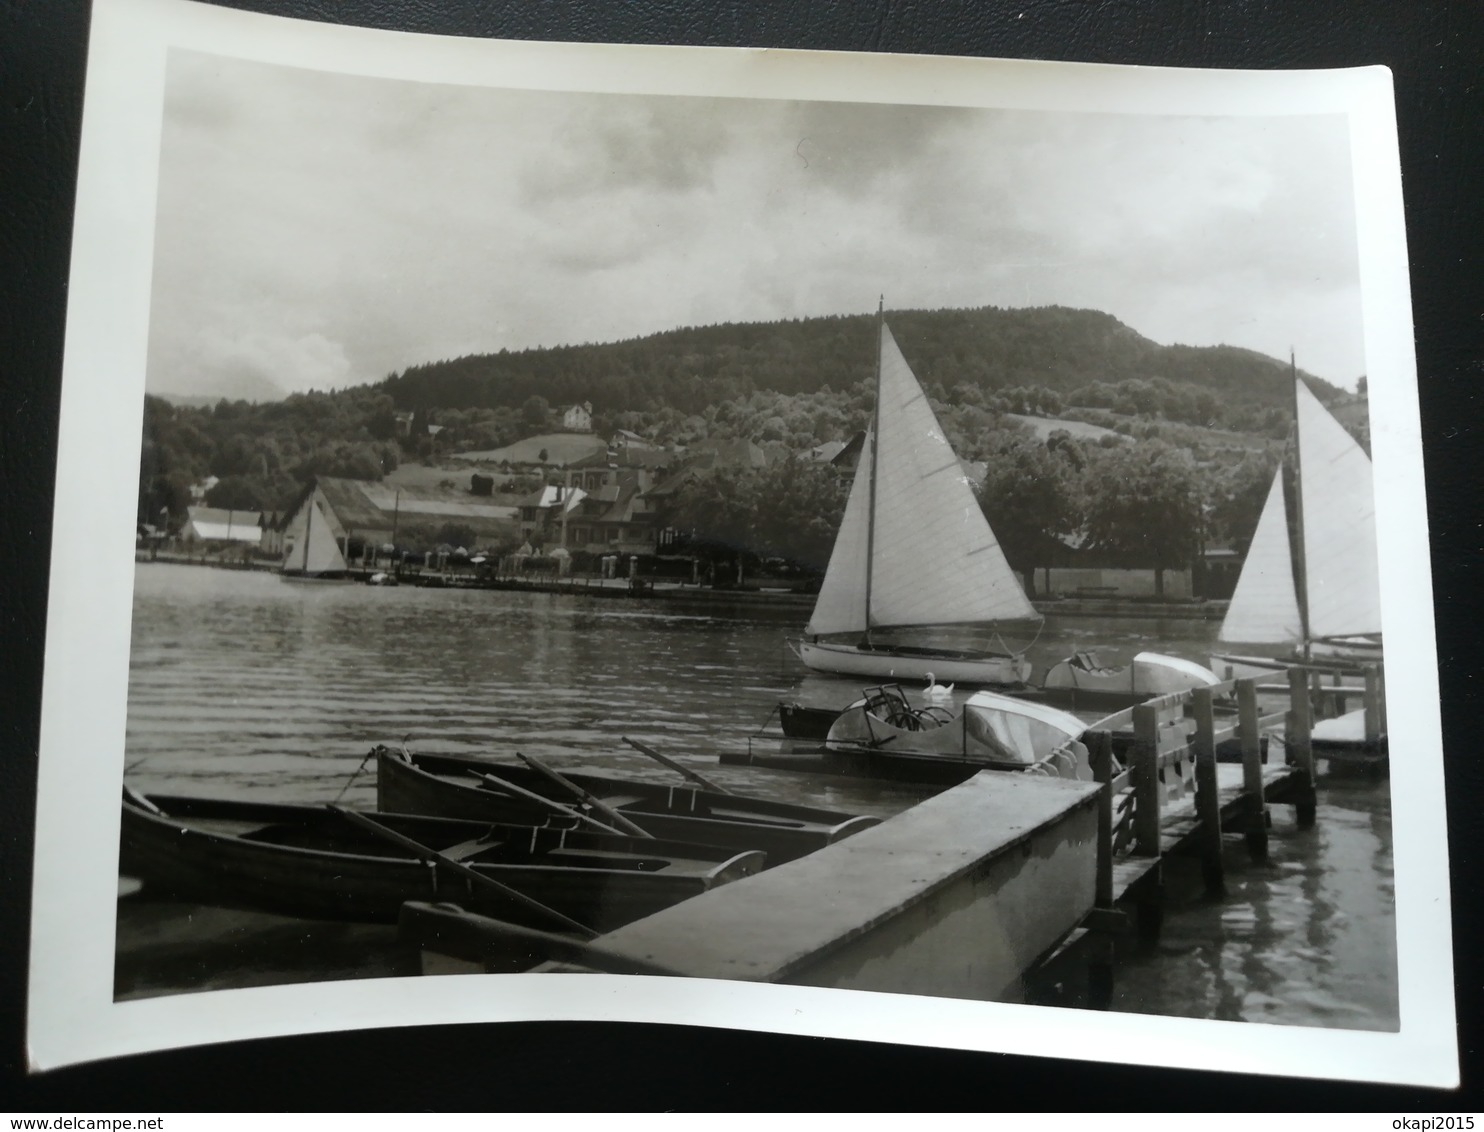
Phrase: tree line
(1148, 505)
(990, 352)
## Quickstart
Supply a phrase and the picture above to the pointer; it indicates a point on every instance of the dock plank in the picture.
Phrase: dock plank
(768, 927)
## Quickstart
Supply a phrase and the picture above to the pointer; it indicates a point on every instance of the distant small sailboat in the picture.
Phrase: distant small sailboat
(1310, 592)
(311, 558)
(914, 558)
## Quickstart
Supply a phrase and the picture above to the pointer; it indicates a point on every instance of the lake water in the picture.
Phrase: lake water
(244, 685)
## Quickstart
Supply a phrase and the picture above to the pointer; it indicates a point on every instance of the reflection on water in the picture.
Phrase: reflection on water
(1308, 938)
(244, 685)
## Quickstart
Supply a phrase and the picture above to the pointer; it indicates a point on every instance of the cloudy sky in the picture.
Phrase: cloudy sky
(321, 230)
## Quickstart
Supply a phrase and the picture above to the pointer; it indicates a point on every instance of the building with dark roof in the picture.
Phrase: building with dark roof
(357, 517)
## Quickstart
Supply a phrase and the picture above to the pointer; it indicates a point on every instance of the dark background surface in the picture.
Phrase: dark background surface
(1433, 49)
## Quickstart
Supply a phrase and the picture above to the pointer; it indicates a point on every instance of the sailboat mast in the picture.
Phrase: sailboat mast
(1300, 567)
(308, 526)
(875, 447)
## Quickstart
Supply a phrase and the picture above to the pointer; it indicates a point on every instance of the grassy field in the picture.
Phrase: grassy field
(560, 448)
(412, 474)
(1045, 426)
(1175, 432)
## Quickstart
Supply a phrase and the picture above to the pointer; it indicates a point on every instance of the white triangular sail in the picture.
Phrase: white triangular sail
(1339, 513)
(936, 561)
(933, 559)
(1264, 609)
(313, 549)
(841, 606)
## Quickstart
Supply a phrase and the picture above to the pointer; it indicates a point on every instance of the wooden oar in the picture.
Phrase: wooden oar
(468, 935)
(693, 775)
(584, 795)
(550, 803)
(371, 825)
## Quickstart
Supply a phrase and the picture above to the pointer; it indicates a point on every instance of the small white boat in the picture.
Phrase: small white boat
(990, 730)
(1083, 680)
(1310, 594)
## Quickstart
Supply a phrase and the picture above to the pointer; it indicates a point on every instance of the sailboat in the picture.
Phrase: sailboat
(315, 557)
(1309, 592)
(914, 560)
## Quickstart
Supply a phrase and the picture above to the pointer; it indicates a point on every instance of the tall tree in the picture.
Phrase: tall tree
(1029, 497)
(1144, 506)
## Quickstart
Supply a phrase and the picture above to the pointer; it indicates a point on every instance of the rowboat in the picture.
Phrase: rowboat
(337, 864)
(1309, 590)
(452, 786)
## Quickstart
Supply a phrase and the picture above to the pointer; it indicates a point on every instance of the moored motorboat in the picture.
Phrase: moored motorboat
(1080, 682)
(330, 864)
(455, 786)
(989, 731)
(1084, 681)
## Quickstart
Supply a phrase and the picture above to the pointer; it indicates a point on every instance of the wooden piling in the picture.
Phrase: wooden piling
(1100, 755)
(1100, 947)
(1339, 699)
(1207, 792)
(1373, 703)
(1144, 762)
(1300, 747)
(1249, 732)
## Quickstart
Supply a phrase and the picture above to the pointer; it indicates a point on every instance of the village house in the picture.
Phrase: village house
(601, 507)
(577, 418)
(543, 512)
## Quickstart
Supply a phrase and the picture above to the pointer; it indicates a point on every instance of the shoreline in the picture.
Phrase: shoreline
(677, 591)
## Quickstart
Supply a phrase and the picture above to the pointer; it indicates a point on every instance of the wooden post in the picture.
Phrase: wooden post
(1381, 694)
(1100, 755)
(1372, 706)
(1249, 733)
(1144, 760)
(1208, 792)
(1299, 729)
(1100, 955)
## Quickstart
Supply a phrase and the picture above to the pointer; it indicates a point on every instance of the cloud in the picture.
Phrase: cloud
(329, 229)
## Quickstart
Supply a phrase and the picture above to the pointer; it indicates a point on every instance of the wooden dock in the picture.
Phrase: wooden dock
(1172, 796)
(1160, 789)
(1166, 790)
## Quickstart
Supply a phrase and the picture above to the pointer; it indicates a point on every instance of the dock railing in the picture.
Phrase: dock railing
(1166, 792)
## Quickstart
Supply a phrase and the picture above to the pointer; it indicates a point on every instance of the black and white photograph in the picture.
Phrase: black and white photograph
(930, 550)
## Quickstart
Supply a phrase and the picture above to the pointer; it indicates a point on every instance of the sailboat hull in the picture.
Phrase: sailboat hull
(1348, 653)
(948, 666)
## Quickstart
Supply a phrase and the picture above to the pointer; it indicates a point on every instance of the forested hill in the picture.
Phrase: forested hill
(990, 349)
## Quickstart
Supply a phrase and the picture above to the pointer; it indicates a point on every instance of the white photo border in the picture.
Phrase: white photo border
(72, 1016)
